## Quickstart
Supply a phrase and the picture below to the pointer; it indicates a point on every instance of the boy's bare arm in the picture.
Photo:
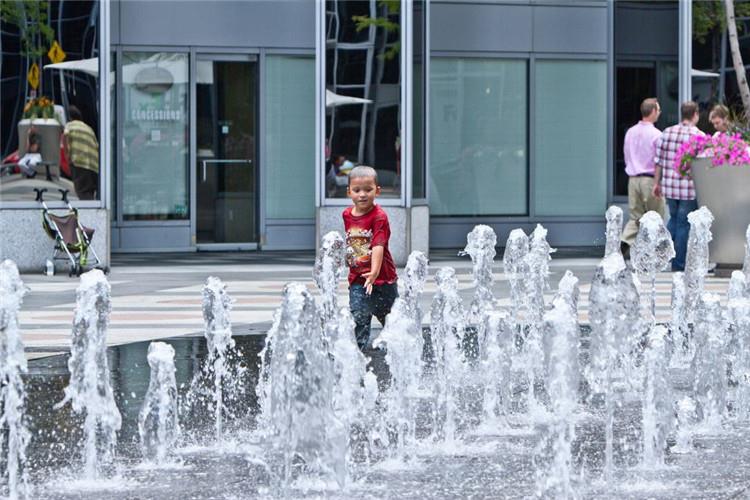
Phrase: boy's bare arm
(376, 262)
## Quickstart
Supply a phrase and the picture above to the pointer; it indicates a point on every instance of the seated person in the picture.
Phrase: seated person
(32, 157)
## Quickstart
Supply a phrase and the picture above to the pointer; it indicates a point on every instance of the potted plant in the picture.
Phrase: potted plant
(39, 114)
(720, 168)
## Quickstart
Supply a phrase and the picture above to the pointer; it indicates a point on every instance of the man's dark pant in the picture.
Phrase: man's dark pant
(364, 307)
(679, 228)
(86, 183)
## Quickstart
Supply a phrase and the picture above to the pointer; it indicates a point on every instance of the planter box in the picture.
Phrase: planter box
(725, 190)
(50, 131)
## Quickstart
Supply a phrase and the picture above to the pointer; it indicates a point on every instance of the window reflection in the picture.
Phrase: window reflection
(39, 99)
(478, 136)
(363, 97)
(418, 100)
(154, 136)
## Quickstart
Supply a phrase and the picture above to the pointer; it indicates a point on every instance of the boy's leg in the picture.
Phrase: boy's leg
(383, 297)
(360, 306)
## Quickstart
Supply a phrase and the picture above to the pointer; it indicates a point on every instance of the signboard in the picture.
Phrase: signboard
(56, 54)
(33, 76)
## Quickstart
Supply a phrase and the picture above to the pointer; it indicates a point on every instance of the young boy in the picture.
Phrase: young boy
(372, 273)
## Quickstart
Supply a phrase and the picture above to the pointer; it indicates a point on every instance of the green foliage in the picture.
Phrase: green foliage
(392, 8)
(709, 15)
(30, 16)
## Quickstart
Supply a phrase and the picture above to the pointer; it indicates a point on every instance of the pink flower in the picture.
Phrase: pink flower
(724, 149)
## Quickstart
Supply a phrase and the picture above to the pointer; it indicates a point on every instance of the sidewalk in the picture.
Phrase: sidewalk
(159, 295)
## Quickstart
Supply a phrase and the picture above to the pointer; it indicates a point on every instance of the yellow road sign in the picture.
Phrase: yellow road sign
(33, 76)
(56, 54)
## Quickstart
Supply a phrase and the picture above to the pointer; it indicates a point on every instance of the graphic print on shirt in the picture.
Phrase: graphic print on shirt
(358, 247)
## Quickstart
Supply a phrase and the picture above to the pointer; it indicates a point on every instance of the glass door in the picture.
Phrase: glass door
(226, 131)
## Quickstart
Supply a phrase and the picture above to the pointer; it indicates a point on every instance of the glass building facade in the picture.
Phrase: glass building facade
(231, 125)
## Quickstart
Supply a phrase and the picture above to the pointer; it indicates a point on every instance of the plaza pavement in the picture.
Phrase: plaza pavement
(159, 295)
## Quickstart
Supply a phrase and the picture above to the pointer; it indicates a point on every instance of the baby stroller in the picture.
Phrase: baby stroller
(72, 239)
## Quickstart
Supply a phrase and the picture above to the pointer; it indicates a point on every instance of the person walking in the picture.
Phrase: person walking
(640, 152)
(373, 280)
(678, 191)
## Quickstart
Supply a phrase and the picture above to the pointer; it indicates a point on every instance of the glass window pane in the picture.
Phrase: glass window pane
(113, 136)
(646, 66)
(478, 136)
(363, 93)
(290, 137)
(36, 102)
(570, 128)
(155, 136)
(418, 98)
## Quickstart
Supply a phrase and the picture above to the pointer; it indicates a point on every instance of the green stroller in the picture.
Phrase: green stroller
(72, 239)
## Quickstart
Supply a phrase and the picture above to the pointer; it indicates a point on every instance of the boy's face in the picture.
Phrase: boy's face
(363, 191)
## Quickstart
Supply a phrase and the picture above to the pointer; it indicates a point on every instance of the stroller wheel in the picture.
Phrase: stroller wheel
(105, 270)
(79, 269)
(71, 271)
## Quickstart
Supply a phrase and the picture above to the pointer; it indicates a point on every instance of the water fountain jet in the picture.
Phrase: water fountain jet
(13, 367)
(158, 424)
(90, 388)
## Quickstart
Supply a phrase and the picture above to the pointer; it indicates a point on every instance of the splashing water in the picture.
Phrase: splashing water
(681, 333)
(613, 231)
(296, 393)
(537, 265)
(709, 365)
(738, 316)
(746, 264)
(537, 282)
(658, 403)
(90, 388)
(561, 363)
(448, 327)
(402, 339)
(480, 246)
(415, 277)
(12, 368)
(614, 317)
(217, 306)
(515, 267)
(496, 350)
(652, 252)
(158, 425)
(330, 268)
(696, 261)
(686, 417)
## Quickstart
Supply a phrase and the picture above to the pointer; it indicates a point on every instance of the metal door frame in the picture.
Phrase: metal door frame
(213, 54)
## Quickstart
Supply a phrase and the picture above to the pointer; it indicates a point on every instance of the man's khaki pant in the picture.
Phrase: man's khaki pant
(640, 201)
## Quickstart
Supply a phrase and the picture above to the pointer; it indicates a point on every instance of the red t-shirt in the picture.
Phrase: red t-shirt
(362, 234)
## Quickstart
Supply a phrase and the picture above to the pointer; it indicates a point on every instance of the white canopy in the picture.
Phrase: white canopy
(705, 74)
(90, 66)
(333, 100)
(177, 69)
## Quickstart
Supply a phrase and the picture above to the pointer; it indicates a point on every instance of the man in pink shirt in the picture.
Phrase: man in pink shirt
(640, 153)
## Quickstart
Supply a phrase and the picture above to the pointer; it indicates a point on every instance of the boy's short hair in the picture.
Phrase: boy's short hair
(363, 171)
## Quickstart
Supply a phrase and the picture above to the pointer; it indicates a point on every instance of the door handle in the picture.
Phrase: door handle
(222, 162)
